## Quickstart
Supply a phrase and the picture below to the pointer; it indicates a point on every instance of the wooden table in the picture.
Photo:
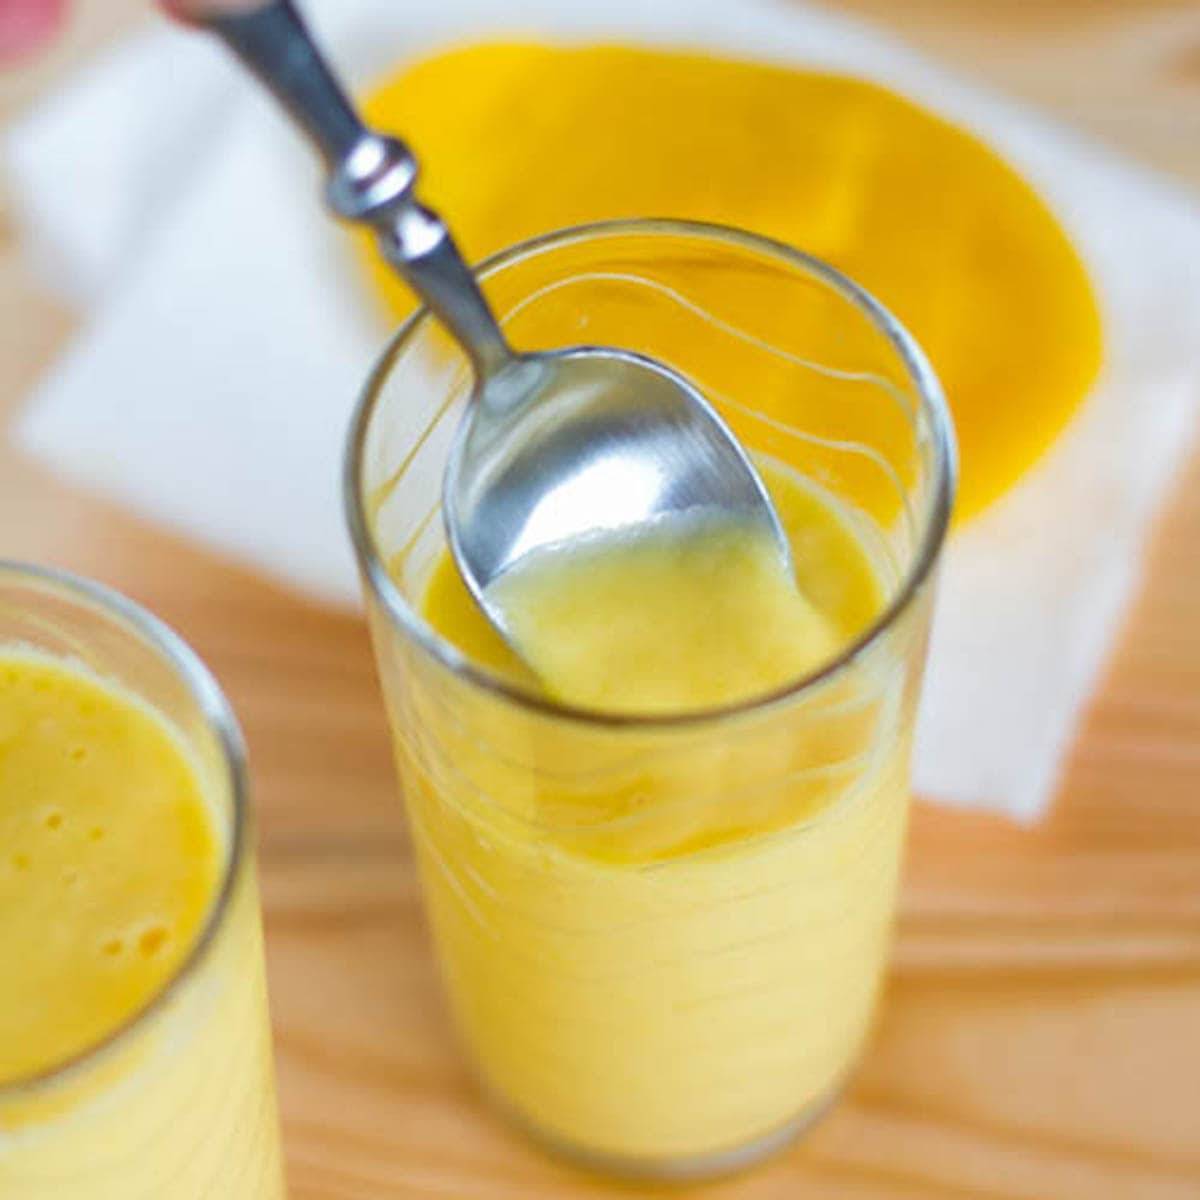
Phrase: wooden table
(1042, 1033)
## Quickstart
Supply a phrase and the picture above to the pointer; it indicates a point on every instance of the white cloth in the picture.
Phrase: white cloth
(213, 395)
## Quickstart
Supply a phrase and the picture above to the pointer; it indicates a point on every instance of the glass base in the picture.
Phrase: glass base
(689, 1169)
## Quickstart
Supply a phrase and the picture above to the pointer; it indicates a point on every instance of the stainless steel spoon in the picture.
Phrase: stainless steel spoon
(555, 445)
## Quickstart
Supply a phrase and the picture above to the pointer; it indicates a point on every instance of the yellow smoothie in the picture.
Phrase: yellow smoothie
(111, 858)
(679, 618)
(664, 942)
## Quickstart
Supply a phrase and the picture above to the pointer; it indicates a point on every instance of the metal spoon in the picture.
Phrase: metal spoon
(556, 445)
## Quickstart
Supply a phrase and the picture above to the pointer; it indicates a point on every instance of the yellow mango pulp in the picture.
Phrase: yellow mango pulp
(517, 139)
(688, 615)
(678, 619)
(108, 860)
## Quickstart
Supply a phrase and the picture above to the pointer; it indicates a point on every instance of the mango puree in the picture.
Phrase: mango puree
(110, 862)
(520, 138)
(664, 943)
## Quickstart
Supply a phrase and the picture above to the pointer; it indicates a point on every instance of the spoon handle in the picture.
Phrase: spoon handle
(371, 177)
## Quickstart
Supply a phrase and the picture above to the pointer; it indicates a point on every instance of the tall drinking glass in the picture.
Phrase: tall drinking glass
(663, 939)
(178, 1103)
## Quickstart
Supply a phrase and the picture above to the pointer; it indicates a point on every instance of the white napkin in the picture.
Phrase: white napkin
(212, 385)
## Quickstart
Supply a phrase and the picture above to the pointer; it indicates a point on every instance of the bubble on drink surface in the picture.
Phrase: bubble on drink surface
(152, 940)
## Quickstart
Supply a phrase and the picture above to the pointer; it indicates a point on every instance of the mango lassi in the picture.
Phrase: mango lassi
(663, 941)
(112, 859)
(662, 925)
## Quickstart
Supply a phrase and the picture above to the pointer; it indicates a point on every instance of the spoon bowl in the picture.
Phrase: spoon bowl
(570, 444)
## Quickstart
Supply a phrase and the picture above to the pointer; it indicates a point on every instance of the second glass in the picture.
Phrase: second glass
(178, 1103)
(663, 939)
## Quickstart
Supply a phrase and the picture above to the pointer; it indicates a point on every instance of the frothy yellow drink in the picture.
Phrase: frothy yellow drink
(689, 615)
(663, 938)
(111, 860)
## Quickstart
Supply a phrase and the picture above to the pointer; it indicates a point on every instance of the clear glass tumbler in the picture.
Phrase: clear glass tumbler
(179, 1103)
(663, 940)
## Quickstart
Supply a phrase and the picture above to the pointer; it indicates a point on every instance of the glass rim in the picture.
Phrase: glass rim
(219, 718)
(936, 522)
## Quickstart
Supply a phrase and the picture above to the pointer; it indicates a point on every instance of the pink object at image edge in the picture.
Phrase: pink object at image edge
(25, 25)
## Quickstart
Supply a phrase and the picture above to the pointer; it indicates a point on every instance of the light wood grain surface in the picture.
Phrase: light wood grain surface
(1041, 1037)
